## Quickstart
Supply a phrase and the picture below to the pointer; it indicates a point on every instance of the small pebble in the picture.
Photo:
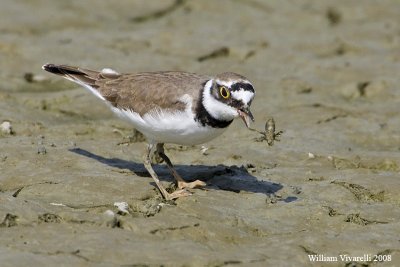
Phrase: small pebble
(34, 78)
(41, 150)
(57, 204)
(272, 199)
(296, 190)
(204, 150)
(122, 207)
(311, 155)
(6, 128)
(250, 167)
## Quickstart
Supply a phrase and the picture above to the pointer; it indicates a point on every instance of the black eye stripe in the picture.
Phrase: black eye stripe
(244, 86)
(236, 103)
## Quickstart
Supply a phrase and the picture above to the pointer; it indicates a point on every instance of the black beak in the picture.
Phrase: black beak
(246, 116)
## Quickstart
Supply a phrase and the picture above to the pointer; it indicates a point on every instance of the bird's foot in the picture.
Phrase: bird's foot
(191, 185)
(177, 194)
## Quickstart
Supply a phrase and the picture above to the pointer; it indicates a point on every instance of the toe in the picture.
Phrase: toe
(179, 193)
(194, 184)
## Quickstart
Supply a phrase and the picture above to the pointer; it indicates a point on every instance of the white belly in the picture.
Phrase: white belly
(165, 127)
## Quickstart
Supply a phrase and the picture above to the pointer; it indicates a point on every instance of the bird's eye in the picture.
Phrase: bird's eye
(224, 92)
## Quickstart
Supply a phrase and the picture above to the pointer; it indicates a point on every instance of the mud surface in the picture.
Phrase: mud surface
(326, 71)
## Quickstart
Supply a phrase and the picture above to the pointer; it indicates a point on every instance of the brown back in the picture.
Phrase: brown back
(147, 91)
(139, 92)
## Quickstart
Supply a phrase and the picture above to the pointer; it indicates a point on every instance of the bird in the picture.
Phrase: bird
(168, 107)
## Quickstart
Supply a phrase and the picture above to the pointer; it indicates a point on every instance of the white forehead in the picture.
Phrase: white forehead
(243, 95)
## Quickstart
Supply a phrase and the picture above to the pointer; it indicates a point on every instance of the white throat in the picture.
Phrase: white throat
(215, 108)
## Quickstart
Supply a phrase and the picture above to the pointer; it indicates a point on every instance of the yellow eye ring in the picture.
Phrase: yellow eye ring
(224, 92)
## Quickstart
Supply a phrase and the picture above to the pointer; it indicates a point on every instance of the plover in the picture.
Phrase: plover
(169, 107)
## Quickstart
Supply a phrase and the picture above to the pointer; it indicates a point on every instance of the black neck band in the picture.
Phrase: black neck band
(205, 118)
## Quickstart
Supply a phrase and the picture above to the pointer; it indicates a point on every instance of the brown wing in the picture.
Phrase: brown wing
(147, 91)
(141, 92)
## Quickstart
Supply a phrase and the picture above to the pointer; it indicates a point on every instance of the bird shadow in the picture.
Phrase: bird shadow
(228, 178)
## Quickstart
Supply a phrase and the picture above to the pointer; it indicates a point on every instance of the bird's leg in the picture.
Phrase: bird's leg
(181, 183)
(149, 168)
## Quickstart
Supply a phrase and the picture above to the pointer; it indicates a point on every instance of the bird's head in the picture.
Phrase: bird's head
(228, 96)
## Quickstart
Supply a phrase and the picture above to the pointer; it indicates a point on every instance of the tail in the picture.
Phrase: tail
(75, 74)
(89, 79)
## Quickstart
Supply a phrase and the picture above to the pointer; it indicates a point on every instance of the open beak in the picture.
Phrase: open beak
(246, 116)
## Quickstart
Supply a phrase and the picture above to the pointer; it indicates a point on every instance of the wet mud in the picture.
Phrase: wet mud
(327, 72)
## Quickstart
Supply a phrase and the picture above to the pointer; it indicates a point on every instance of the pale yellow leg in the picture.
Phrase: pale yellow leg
(149, 168)
(181, 183)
